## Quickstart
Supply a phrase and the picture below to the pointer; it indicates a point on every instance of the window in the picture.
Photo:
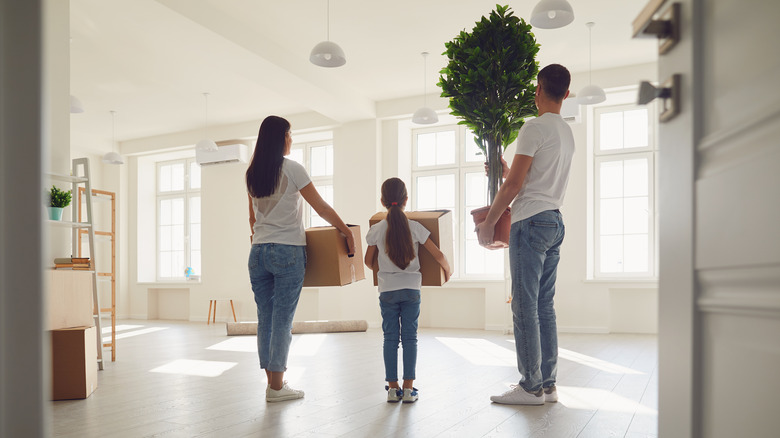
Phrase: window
(317, 159)
(448, 173)
(178, 219)
(624, 201)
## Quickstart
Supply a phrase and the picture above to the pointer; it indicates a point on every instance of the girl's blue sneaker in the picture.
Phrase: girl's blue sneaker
(394, 395)
(410, 395)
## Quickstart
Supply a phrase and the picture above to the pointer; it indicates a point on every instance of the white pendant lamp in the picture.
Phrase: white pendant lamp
(75, 105)
(113, 157)
(327, 53)
(590, 94)
(425, 115)
(552, 14)
(206, 144)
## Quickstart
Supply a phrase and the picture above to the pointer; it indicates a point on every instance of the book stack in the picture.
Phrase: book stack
(75, 263)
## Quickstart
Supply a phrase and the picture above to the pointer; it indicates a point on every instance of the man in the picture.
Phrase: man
(536, 181)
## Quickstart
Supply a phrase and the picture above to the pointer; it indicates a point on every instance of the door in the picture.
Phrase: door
(719, 219)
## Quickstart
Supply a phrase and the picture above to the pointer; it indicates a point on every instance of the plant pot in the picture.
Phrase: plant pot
(501, 231)
(55, 213)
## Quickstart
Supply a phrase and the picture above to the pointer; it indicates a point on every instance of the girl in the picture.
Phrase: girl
(392, 251)
(277, 260)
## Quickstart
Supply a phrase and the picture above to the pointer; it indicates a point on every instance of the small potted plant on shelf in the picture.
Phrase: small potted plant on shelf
(58, 199)
(489, 81)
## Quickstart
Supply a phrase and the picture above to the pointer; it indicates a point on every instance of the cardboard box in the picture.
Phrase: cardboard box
(327, 262)
(74, 362)
(439, 223)
(69, 299)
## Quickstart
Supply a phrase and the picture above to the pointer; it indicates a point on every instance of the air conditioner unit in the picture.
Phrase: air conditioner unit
(231, 153)
(570, 110)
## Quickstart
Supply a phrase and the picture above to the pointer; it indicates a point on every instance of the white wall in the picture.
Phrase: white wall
(367, 152)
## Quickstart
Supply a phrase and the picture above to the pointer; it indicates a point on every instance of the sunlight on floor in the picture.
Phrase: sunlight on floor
(244, 344)
(131, 334)
(307, 345)
(602, 400)
(480, 351)
(594, 362)
(203, 368)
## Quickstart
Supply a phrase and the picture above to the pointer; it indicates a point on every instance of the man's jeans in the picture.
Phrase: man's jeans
(534, 252)
(276, 272)
(400, 312)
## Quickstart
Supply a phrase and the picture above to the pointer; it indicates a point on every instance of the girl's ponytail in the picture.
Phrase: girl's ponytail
(400, 249)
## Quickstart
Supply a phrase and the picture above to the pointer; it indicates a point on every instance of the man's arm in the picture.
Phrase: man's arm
(507, 192)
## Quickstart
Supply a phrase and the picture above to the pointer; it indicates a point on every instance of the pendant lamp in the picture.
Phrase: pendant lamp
(75, 105)
(206, 144)
(425, 115)
(327, 53)
(552, 14)
(113, 157)
(591, 93)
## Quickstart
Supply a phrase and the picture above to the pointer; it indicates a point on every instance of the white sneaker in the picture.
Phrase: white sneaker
(519, 396)
(410, 395)
(394, 395)
(286, 393)
(550, 394)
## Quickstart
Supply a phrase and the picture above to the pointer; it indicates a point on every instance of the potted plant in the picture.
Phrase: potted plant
(488, 80)
(58, 199)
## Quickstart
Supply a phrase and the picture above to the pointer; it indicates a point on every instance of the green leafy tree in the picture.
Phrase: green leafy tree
(489, 81)
(59, 198)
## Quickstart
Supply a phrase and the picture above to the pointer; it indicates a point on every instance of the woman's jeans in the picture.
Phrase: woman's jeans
(534, 252)
(400, 312)
(276, 272)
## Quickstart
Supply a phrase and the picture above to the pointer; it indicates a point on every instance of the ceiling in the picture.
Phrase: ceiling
(152, 60)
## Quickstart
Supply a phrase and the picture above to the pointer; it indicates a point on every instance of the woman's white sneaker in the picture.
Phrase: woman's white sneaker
(286, 393)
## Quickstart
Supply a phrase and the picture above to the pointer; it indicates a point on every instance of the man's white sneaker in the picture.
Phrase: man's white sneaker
(519, 396)
(550, 394)
(410, 395)
(286, 393)
(394, 395)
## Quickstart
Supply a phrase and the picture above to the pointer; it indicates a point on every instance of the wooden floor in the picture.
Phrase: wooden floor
(181, 379)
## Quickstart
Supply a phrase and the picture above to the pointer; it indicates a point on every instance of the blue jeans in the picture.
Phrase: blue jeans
(400, 312)
(276, 272)
(534, 252)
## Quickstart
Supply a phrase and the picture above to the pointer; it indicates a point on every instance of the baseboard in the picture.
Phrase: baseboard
(594, 330)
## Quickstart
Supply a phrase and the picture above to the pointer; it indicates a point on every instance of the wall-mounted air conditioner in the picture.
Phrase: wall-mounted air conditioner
(230, 153)
(570, 110)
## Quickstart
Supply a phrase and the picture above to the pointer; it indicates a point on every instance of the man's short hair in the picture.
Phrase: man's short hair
(554, 80)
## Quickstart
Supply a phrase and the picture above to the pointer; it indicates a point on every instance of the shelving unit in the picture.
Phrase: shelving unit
(103, 274)
(80, 175)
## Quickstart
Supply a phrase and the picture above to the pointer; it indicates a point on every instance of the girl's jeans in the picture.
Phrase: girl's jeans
(534, 252)
(276, 272)
(400, 312)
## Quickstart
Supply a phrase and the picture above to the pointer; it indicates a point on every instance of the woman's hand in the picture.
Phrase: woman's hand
(350, 244)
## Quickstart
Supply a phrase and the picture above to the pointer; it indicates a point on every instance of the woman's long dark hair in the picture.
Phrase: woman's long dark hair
(265, 169)
(398, 240)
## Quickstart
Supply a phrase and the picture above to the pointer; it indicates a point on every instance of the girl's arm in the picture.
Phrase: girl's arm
(371, 259)
(252, 220)
(312, 196)
(439, 256)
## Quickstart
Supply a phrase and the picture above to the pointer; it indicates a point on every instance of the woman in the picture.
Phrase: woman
(277, 187)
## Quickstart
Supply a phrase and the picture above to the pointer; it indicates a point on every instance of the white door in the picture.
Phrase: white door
(719, 213)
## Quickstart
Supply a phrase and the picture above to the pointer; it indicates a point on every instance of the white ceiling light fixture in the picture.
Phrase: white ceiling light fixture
(552, 14)
(113, 157)
(425, 115)
(206, 144)
(590, 94)
(327, 53)
(75, 105)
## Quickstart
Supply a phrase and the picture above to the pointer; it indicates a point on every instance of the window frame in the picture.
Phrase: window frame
(186, 195)
(318, 181)
(459, 168)
(599, 156)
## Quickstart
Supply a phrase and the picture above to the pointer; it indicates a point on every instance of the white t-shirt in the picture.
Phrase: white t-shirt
(548, 139)
(279, 217)
(390, 277)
